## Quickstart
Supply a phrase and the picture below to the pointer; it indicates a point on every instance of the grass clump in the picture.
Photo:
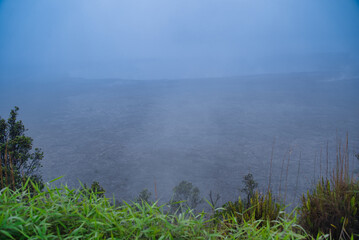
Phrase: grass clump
(257, 206)
(261, 208)
(332, 207)
(285, 227)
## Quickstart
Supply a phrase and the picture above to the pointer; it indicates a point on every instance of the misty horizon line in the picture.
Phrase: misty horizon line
(341, 74)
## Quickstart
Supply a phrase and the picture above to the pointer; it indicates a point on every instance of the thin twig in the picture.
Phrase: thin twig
(297, 181)
(286, 175)
(320, 163)
(270, 167)
(281, 174)
(327, 160)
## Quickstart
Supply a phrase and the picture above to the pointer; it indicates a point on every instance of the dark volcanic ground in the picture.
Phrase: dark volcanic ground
(127, 134)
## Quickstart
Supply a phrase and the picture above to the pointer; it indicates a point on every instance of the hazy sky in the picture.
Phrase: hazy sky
(176, 38)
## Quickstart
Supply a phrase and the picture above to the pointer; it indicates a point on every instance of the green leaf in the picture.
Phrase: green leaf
(53, 180)
(7, 234)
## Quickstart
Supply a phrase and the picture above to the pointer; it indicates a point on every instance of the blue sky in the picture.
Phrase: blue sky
(176, 38)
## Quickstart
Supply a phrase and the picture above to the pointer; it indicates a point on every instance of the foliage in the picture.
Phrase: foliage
(64, 213)
(17, 161)
(95, 188)
(260, 207)
(185, 195)
(285, 227)
(256, 206)
(249, 186)
(332, 207)
(144, 196)
(213, 200)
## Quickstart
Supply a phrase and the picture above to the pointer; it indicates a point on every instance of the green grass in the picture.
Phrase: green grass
(282, 228)
(64, 213)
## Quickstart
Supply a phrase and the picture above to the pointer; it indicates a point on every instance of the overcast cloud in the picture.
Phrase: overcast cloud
(176, 38)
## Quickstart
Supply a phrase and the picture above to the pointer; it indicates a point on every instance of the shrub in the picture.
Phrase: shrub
(260, 207)
(185, 195)
(250, 186)
(332, 207)
(95, 188)
(144, 196)
(17, 160)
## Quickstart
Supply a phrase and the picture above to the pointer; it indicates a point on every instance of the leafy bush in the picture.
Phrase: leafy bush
(144, 196)
(250, 186)
(185, 195)
(95, 188)
(17, 160)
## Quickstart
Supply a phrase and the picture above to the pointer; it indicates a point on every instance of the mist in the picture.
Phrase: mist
(177, 39)
(138, 93)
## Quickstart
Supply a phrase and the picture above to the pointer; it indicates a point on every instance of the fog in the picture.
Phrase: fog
(129, 93)
(129, 134)
(177, 39)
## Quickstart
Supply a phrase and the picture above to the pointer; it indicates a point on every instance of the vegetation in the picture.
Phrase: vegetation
(250, 186)
(144, 196)
(262, 208)
(213, 200)
(185, 195)
(63, 213)
(95, 188)
(30, 209)
(283, 228)
(332, 207)
(17, 161)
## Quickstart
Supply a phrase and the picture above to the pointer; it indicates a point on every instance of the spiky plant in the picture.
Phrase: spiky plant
(332, 207)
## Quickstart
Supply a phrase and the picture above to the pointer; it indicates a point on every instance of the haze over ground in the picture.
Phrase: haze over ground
(228, 77)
